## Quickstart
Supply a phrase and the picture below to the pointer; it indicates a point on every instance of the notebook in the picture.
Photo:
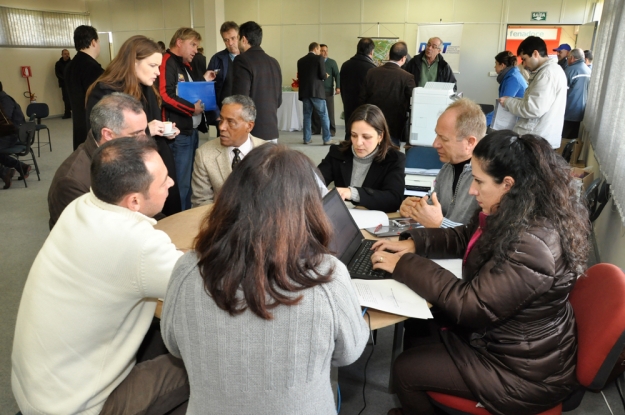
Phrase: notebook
(348, 244)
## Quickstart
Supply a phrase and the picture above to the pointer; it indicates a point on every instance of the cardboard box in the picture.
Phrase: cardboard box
(584, 175)
(577, 150)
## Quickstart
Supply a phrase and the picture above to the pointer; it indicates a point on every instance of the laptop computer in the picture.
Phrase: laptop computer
(348, 244)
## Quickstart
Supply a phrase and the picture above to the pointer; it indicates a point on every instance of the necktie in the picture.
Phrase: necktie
(237, 158)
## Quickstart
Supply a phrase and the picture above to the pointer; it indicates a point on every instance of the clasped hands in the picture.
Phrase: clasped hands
(417, 208)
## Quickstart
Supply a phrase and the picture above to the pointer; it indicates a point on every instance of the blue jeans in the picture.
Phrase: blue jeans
(320, 107)
(183, 148)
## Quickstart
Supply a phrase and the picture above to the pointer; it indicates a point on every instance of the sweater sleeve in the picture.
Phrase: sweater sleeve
(158, 258)
(183, 267)
(352, 331)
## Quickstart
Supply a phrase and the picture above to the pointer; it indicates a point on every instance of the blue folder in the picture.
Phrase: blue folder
(204, 91)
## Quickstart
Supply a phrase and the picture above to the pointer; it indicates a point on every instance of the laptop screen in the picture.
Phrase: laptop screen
(345, 229)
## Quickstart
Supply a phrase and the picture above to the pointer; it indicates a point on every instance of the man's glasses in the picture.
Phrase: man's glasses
(433, 46)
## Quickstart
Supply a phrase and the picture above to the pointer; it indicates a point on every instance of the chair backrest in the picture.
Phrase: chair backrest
(422, 158)
(26, 135)
(598, 300)
(39, 108)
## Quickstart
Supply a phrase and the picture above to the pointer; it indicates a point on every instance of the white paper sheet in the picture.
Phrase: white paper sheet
(452, 265)
(502, 118)
(391, 296)
(369, 218)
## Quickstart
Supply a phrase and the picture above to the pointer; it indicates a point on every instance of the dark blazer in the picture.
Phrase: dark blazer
(258, 76)
(383, 188)
(223, 81)
(80, 73)
(390, 88)
(353, 73)
(72, 179)
(515, 342)
(153, 112)
(443, 74)
(311, 72)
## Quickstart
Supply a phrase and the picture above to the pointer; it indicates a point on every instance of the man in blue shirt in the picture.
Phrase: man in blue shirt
(577, 79)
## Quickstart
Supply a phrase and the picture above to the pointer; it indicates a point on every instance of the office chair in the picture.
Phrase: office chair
(39, 110)
(422, 158)
(26, 135)
(597, 301)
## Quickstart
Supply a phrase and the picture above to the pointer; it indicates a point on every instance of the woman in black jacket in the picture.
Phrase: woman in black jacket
(510, 340)
(367, 170)
(134, 71)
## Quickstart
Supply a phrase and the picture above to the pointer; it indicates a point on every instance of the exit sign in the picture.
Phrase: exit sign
(539, 16)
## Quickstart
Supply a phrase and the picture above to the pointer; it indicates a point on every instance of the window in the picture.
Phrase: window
(605, 109)
(34, 28)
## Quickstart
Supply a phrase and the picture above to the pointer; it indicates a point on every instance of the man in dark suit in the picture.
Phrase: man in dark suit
(353, 73)
(80, 73)
(390, 88)
(258, 76)
(311, 72)
(59, 71)
(221, 62)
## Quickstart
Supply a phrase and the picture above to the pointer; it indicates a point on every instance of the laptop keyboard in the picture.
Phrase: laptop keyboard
(361, 266)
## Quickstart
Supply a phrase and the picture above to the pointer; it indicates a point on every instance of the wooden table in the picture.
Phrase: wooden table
(183, 227)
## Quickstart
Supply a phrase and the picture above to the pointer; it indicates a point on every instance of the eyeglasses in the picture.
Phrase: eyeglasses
(433, 46)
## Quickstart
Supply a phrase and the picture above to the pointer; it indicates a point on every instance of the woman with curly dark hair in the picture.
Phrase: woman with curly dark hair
(510, 338)
(261, 310)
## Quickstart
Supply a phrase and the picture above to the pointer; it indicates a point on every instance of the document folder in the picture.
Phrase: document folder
(204, 91)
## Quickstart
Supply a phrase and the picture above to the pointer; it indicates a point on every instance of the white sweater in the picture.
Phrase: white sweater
(88, 301)
(541, 110)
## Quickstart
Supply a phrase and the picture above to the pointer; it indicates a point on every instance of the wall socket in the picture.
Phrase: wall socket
(493, 74)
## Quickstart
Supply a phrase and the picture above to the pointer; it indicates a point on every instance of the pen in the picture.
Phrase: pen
(377, 228)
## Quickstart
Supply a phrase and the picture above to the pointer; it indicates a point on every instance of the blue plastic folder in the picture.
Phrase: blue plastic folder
(204, 91)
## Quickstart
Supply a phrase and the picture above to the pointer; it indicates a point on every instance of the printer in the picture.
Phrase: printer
(428, 103)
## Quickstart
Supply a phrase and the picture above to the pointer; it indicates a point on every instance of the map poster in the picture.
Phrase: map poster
(450, 34)
(382, 46)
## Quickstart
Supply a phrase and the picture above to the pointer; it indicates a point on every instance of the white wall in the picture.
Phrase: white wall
(290, 25)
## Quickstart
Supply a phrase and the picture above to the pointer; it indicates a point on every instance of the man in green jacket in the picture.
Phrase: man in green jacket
(333, 77)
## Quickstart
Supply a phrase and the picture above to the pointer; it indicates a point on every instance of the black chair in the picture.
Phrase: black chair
(39, 110)
(26, 135)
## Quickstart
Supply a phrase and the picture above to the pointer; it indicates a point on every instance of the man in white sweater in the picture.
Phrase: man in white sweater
(91, 294)
(541, 110)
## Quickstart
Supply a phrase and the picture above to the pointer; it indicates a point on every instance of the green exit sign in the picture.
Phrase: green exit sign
(539, 16)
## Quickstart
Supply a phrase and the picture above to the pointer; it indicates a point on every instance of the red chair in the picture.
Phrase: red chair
(599, 306)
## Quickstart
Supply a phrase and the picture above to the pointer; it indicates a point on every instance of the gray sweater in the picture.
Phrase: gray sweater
(247, 365)
(458, 208)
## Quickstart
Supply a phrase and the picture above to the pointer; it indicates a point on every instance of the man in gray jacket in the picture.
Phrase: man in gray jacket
(458, 131)
(541, 110)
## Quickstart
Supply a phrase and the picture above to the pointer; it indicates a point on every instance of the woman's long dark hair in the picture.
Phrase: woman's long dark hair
(373, 116)
(121, 74)
(266, 234)
(543, 189)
